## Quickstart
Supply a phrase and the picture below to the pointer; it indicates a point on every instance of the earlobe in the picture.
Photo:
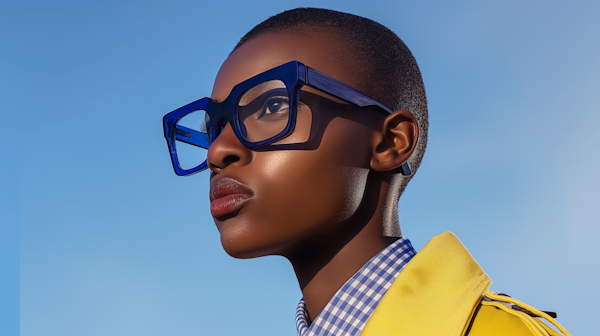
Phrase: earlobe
(396, 141)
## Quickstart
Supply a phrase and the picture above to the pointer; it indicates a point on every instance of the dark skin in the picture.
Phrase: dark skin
(322, 205)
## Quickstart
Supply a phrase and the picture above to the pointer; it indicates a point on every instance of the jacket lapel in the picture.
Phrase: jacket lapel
(435, 294)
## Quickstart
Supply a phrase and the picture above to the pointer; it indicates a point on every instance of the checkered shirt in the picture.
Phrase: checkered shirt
(350, 308)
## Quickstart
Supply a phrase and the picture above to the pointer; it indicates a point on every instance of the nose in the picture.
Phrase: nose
(227, 150)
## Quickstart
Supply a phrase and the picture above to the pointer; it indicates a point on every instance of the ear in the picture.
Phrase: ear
(396, 142)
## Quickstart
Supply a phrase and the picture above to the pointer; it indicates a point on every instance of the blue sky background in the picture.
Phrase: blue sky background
(113, 243)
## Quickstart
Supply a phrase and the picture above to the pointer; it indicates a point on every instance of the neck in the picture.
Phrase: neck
(325, 263)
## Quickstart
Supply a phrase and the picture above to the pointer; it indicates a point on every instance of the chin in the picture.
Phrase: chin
(240, 253)
(244, 247)
(242, 238)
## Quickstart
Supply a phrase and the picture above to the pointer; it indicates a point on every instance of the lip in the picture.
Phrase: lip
(228, 195)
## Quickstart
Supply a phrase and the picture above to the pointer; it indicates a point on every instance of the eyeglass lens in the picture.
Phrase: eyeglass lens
(264, 111)
(191, 130)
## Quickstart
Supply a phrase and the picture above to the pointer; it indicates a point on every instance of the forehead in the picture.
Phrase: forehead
(320, 49)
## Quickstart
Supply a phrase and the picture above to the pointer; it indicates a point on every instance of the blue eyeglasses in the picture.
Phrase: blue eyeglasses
(262, 111)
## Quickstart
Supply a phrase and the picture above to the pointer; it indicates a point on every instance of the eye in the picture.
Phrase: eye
(274, 106)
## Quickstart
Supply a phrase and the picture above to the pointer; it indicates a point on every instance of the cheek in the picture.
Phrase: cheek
(324, 193)
(301, 203)
(299, 194)
(317, 188)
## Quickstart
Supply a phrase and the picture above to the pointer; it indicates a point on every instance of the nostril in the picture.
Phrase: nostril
(229, 159)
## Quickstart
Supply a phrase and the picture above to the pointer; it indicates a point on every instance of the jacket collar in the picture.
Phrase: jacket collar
(436, 294)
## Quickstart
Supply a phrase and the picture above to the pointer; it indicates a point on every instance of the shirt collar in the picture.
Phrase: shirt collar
(350, 308)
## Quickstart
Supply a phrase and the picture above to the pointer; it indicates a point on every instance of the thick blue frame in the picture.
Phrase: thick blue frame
(293, 74)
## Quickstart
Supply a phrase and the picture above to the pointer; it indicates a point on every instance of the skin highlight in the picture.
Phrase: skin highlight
(323, 206)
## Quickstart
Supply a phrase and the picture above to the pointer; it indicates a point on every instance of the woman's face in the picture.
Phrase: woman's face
(272, 202)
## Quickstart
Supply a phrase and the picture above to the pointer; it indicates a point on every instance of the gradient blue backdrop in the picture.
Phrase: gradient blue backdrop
(113, 243)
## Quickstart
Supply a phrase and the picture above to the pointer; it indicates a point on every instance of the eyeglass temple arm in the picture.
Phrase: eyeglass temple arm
(191, 136)
(340, 90)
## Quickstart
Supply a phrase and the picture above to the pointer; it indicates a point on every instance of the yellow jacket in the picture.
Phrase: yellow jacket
(443, 292)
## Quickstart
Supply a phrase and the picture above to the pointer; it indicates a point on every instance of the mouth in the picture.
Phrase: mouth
(227, 196)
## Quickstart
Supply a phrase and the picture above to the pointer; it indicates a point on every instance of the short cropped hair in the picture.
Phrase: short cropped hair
(392, 75)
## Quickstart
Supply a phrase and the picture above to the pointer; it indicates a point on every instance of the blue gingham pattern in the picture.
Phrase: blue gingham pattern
(350, 308)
